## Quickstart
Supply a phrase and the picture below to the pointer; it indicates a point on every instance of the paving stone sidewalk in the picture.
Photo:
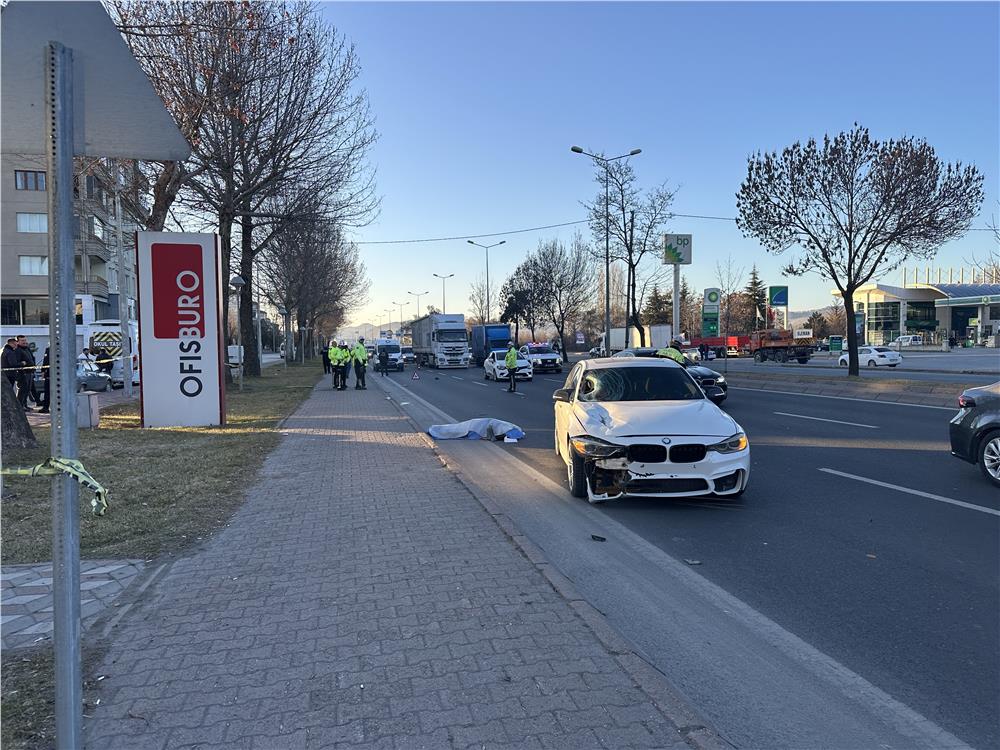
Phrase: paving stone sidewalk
(26, 603)
(362, 598)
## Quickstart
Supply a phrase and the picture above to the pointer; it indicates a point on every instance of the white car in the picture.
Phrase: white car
(494, 367)
(873, 356)
(909, 340)
(542, 357)
(643, 427)
(693, 354)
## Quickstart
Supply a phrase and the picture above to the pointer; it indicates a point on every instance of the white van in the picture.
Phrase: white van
(902, 341)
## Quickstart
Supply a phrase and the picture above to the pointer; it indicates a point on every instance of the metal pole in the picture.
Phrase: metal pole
(288, 343)
(487, 286)
(62, 381)
(123, 320)
(239, 343)
(442, 296)
(607, 261)
(677, 301)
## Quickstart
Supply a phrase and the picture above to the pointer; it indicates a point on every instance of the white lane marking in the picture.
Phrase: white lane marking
(482, 384)
(553, 380)
(845, 398)
(457, 378)
(918, 493)
(820, 419)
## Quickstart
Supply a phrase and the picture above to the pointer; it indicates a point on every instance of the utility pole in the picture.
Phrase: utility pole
(123, 319)
(418, 296)
(444, 279)
(487, 249)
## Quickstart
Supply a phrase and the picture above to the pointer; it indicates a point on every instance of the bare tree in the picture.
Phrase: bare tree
(836, 318)
(856, 207)
(636, 223)
(478, 296)
(563, 277)
(729, 277)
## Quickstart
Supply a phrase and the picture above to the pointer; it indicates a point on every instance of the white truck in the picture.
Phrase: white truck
(440, 340)
(657, 336)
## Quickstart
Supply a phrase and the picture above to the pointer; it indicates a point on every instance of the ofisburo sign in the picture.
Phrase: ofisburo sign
(180, 336)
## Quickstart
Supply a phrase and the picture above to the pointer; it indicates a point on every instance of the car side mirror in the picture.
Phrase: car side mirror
(715, 394)
(563, 394)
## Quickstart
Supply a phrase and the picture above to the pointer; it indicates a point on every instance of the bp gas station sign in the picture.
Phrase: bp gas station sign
(710, 312)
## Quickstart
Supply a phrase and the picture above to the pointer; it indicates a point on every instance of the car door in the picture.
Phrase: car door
(564, 410)
(491, 365)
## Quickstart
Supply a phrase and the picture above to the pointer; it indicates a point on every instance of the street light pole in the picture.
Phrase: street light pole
(400, 305)
(238, 283)
(418, 295)
(443, 279)
(607, 238)
(487, 249)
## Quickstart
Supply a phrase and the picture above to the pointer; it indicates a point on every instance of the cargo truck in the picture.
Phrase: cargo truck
(440, 340)
(657, 336)
(780, 345)
(488, 337)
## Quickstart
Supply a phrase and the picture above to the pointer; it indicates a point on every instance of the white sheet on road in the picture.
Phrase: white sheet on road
(483, 428)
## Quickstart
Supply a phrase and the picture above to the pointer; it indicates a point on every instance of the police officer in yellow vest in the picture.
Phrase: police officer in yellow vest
(360, 357)
(673, 352)
(510, 362)
(333, 353)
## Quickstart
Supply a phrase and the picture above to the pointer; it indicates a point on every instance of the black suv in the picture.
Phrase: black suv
(975, 430)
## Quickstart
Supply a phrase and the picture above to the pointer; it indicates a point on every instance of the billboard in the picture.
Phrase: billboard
(677, 249)
(180, 331)
(777, 296)
(712, 300)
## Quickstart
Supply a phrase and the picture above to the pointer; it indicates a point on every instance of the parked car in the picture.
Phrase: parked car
(706, 377)
(543, 357)
(873, 356)
(494, 367)
(975, 430)
(693, 354)
(88, 378)
(595, 351)
(643, 427)
(408, 356)
(900, 341)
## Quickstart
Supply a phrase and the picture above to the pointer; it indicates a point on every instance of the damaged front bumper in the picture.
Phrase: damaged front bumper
(717, 474)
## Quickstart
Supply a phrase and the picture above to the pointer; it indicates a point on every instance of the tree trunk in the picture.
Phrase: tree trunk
(628, 306)
(165, 190)
(16, 432)
(517, 331)
(251, 362)
(226, 244)
(852, 334)
(562, 341)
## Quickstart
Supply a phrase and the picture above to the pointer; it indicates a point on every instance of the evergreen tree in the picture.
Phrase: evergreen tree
(657, 310)
(756, 290)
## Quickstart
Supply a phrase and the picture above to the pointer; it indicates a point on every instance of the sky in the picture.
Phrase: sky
(477, 105)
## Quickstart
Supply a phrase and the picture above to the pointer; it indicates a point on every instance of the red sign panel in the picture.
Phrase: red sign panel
(178, 291)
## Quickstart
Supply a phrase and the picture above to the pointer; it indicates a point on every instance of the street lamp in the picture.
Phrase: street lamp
(607, 238)
(400, 305)
(487, 249)
(443, 279)
(418, 295)
(238, 283)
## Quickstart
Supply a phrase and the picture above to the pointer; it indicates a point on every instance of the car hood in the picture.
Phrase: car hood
(626, 418)
(700, 371)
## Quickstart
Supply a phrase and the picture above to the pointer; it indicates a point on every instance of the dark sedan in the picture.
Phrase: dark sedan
(702, 374)
(975, 430)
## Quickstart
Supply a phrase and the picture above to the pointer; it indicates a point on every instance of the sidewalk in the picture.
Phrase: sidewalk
(362, 597)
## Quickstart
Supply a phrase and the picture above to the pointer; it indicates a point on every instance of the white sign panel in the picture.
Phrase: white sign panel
(677, 249)
(803, 333)
(180, 332)
(712, 300)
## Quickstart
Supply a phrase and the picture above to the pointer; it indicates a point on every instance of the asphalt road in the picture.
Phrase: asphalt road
(820, 367)
(900, 588)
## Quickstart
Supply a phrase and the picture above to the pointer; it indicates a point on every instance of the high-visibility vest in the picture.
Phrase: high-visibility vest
(360, 354)
(511, 359)
(673, 354)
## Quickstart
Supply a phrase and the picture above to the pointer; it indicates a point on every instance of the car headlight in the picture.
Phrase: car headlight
(594, 448)
(732, 444)
(721, 379)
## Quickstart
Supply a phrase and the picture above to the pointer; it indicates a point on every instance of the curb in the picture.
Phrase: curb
(690, 727)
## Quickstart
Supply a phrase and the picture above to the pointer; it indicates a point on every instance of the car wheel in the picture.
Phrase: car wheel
(803, 360)
(758, 357)
(893, 365)
(872, 363)
(486, 375)
(843, 363)
(576, 474)
(989, 456)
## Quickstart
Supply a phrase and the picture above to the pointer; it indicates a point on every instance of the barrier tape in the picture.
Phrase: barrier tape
(72, 467)
(44, 367)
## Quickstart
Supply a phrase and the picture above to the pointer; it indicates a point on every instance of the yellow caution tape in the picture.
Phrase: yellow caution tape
(72, 467)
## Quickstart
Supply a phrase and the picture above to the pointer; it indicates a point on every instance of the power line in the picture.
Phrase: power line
(556, 226)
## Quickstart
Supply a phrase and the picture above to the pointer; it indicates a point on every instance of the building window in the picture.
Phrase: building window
(33, 223)
(36, 312)
(994, 312)
(10, 312)
(33, 265)
(28, 180)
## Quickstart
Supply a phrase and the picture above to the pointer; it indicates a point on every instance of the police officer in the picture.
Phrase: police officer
(360, 357)
(327, 364)
(332, 362)
(510, 362)
(345, 364)
(673, 352)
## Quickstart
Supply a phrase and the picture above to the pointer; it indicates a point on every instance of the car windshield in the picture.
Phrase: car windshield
(407, 350)
(540, 350)
(451, 335)
(389, 348)
(638, 384)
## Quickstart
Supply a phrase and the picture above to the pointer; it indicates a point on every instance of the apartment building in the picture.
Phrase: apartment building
(24, 270)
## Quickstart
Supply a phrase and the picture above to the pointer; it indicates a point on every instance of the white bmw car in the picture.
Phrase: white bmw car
(873, 356)
(495, 367)
(644, 427)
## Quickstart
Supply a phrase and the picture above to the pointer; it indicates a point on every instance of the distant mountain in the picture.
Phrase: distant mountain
(796, 317)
